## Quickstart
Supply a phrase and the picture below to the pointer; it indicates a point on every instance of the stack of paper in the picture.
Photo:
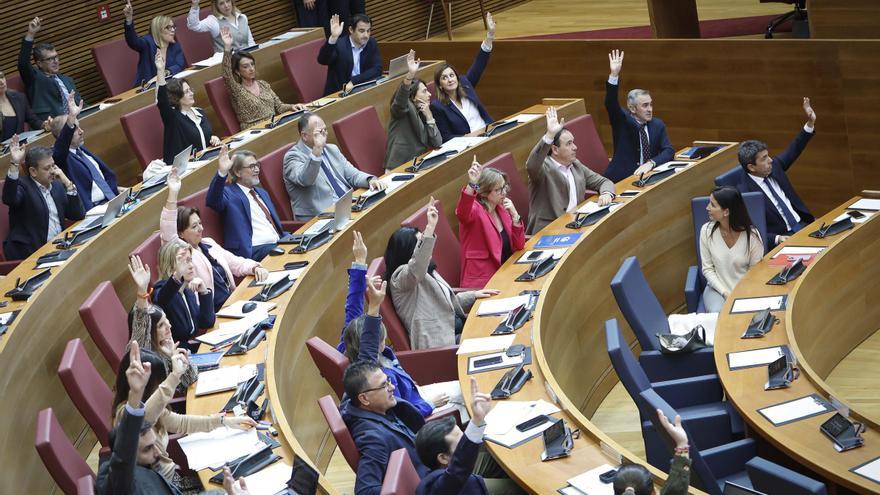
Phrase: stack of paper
(223, 379)
(590, 483)
(535, 255)
(484, 344)
(231, 329)
(798, 250)
(754, 304)
(502, 420)
(865, 216)
(756, 357)
(502, 306)
(215, 448)
(794, 410)
(456, 144)
(452, 390)
(593, 207)
(524, 118)
(671, 164)
(214, 59)
(269, 480)
(234, 310)
(870, 470)
(865, 204)
(280, 274)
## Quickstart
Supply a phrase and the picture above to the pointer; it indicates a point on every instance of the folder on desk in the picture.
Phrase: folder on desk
(755, 357)
(796, 410)
(557, 240)
(697, 152)
(869, 470)
(754, 304)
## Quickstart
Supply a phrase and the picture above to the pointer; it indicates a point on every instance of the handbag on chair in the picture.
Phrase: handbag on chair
(671, 343)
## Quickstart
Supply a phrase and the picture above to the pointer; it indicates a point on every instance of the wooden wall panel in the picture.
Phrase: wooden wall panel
(74, 28)
(844, 19)
(709, 89)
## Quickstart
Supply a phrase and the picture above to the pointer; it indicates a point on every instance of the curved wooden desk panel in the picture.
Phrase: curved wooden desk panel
(841, 279)
(31, 349)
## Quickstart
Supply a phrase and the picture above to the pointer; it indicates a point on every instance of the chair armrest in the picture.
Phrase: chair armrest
(175, 452)
(707, 426)
(692, 289)
(660, 367)
(292, 225)
(430, 365)
(451, 412)
(686, 392)
(729, 458)
(8, 266)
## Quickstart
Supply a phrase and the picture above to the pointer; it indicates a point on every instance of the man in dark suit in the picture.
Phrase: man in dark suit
(91, 175)
(47, 88)
(351, 59)
(251, 227)
(785, 211)
(640, 139)
(38, 203)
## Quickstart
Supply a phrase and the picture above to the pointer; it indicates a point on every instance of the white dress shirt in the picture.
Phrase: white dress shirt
(96, 193)
(263, 229)
(766, 184)
(470, 113)
(356, 58)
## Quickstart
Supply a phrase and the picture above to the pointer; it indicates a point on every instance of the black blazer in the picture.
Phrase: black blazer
(29, 215)
(180, 131)
(450, 120)
(78, 170)
(186, 317)
(337, 58)
(23, 113)
(42, 90)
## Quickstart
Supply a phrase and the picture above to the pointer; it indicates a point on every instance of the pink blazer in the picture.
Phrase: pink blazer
(481, 241)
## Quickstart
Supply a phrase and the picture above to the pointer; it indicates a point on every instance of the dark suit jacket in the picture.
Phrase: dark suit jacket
(625, 134)
(231, 203)
(180, 131)
(337, 58)
(120, 474)
(42, 90)
(449, 119)
(781, 163)
(23, 114)
(184, 322)
(29, 215)
(78, 170)
(458, 477)
(146, 48)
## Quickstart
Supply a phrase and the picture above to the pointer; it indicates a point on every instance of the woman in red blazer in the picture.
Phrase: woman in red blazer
(490, 229)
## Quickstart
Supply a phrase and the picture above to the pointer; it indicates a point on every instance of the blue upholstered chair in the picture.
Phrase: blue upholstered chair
(698, 400)
(646, 317)
(729, 178)
(769, 477)
(695, 283)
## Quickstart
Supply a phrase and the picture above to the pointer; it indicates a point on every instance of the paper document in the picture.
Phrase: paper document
(49, 264)
(222, 379)
(506, 361)
(484, 344)
(288, 35)
(570, 490)
(672, 164)
(535, 255)
(865, 216)
(804, 407)
(185, 73)
(501, 306)
(214, 59)
(870, 470)
(452, 390)
(557, 240)
(865, 204)
(234, 309)
(280, 274)
(215, 448)
(756, 357)
(269, 480)
(592, 207)
(682, 324)
(391, 184)
(589, 482)
(502, 420)
(524, 118)
(5, 317)
(461, 143)
(752, 304)
(232, 329)
(798, 250)
(320, 102)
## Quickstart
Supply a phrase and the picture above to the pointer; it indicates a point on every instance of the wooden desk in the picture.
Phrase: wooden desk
(831, 309)
(103, 132)
(32, 348)
(566, 333)
(844, 19)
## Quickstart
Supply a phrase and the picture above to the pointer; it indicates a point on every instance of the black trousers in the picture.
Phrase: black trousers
(320, 15)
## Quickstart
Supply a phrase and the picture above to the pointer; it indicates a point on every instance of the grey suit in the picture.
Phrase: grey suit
(548, 187)
(408, 134)
(308, 186)
(425, 302)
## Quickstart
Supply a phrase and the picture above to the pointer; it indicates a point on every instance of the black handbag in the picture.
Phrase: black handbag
(671, 343)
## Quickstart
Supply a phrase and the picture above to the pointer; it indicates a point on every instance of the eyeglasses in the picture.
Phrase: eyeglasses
(49, 59)
(503, 189)
(170, 27)
(321, 131)
(253, 166)
(385, 384)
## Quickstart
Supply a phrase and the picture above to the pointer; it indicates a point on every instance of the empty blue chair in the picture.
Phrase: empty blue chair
(646, 317)
(695, 283)
(769, 477)
(729, 178)
(698, 400)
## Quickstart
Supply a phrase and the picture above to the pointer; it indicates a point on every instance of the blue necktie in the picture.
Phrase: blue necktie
(643, 140)
(340, 192)
(789, 217)
(96, 176)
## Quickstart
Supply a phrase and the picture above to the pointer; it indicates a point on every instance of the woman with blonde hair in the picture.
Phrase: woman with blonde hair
(161, 38)
(226, 16)
(185, 298)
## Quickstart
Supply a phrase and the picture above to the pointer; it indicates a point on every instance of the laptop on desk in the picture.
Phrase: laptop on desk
(114, 207)
(181, 161)
(341, 216)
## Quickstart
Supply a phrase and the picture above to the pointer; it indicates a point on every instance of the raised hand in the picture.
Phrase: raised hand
(34, 27)
(128, 12)
(319, 139)
(179, 361)
(412, 63)
(226, 36)
(309, 4)
(475, 171)
(433, 216)
(335, 28)
(181, 264)
(554, 125)
(358, 248)
(140, 273)
(808, 109)
(615, 62)
(376, 288)
(676, 431)
(73, 109)
(490, 24)
(137, 374)
(160, 62)
(16, 151)
(481, 404)
(484, 293)
(224, 163)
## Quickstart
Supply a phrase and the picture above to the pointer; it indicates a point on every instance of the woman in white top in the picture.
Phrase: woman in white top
(729, 245)
(225, 15)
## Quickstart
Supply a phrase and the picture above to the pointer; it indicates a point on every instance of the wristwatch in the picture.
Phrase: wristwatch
(475, 187)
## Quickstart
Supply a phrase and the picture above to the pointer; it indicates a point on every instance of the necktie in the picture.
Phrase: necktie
(97, 177)
(337, 188)
(64, 92)
(643, 139)
(265, 210)
(786, 213)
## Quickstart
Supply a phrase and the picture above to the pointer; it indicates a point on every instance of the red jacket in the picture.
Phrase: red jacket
(481, 241)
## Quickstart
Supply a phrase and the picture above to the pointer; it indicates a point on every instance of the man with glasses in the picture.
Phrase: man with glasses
(379, 422)
(47, 88)
(316, 173)
(251, 227)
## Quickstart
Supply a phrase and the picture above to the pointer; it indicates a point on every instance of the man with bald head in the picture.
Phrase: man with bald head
(640, 139)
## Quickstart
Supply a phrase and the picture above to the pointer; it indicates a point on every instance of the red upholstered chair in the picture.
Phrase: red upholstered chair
(143, 128)
(5, 266)
(117, 64)
(401, 477)
(59, 455)
(590, 151)
(330, 362)
(212, 223)
(396, 331)
(149, 253)
(107, 322)
(304, 71)
(272, 170)
(363, 139)
(222, 104)
(196, 46)
(85, 387)
(13, 81)
(85, 486)
(519, 191)
(340, 431)
(447, 250)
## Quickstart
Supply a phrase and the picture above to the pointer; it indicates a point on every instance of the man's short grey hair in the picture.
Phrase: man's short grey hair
(634, 94)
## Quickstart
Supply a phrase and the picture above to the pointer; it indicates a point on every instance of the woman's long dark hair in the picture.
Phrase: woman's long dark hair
(635, 477)
(401, 246)
(157, 376)
(730, 199)
(441, 94)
